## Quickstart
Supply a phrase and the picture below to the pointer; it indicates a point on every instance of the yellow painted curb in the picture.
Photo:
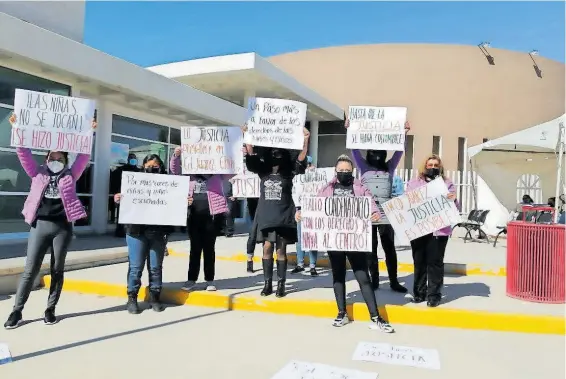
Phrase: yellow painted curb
(395, 314)
(449, 268)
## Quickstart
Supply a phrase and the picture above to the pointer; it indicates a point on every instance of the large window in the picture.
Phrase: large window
(14, 182)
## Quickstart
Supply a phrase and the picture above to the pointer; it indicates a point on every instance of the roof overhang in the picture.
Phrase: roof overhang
(111, 78)
(231, 77)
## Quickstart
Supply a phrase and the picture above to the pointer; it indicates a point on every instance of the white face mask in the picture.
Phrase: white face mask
(55, 166)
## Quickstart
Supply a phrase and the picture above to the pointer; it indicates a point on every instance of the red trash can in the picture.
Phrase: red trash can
(536, 262)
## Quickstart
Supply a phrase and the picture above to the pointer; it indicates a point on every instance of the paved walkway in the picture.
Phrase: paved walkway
(97, 339)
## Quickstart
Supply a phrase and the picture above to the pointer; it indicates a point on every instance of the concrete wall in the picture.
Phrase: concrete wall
(450, 90)
(63, 17)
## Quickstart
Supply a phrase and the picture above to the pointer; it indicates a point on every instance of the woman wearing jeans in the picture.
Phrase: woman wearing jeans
(146, 242)
(344, 184)
(428, 250)
(207, 207)
(50, 208)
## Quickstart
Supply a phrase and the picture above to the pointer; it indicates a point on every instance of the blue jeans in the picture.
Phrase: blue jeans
(301, 253)
(142, 248)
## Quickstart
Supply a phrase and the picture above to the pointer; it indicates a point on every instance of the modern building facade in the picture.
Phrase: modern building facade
(455, 97)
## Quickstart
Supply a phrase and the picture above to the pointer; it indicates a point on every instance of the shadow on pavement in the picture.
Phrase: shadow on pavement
(110, 336)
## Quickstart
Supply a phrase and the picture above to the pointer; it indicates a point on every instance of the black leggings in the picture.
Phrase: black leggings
(252, 240)
(202, 234)
(387, 236)
(428, 257)
(358, 263)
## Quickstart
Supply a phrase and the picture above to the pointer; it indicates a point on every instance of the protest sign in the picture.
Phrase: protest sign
(154, 199)
(211, 150)
(422, 211)
(309, 183)
(245, 185)
(52, 122)
(119, 153)
(376, 128)
(397, 355)
(276, 123)
(340, 223)
(307, 370)
(5, 355)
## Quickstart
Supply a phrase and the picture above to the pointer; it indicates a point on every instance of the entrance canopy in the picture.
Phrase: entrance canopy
(502, 161)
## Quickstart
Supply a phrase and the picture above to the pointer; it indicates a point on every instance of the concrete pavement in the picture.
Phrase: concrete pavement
(96, 338)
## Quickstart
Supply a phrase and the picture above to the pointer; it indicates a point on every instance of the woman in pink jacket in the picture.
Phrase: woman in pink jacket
(50, 209)
(207, 206)
(344, 184)
(428, 250)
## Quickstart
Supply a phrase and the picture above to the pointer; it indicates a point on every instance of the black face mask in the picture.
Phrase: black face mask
(276, 158)
(376, 158)
(345, 178)
(432, 173)
(152, 170)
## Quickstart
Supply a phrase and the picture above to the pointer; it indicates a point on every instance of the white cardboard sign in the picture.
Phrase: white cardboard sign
(339, 223)
(154, 199)
(245, 185)
(211, 150)
(5, 355)
(52, 122)
(397, 355)
(309, 183)
(306, 370)
(276, 123)
(421, 211)
(376, 128)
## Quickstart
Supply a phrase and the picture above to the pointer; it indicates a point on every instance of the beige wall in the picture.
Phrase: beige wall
(450, 90)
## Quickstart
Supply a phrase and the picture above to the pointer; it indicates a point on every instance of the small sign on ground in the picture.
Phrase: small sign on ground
(397, 355)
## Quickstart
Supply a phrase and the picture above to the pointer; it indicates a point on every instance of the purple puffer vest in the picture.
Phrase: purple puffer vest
(217, 202)
(40, 179)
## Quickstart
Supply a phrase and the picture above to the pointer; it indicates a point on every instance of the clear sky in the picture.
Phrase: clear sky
(150, 33)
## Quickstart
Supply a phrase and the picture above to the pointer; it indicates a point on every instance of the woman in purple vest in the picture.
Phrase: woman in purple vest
(428, 250)
(50, 209)
(207, 207)
(377, 175)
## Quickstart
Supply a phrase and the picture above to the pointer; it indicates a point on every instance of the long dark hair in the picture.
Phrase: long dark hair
(157, 158)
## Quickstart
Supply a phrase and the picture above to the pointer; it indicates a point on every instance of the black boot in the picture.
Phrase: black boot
(154, 301)
(132, 304)
(267, 276)
(282, 276)
(250, 267)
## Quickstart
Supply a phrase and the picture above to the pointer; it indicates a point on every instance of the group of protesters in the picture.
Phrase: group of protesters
(53, 205)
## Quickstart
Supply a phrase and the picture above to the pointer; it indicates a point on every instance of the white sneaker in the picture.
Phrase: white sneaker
(380, 324)
(210, 287)
(341, 320)
(188, 286)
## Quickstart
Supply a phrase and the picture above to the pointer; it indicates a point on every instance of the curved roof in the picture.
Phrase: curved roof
(449, 89)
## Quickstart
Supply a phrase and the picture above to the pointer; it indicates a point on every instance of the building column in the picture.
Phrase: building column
(101, 174)
(244, 204)
(313, 142)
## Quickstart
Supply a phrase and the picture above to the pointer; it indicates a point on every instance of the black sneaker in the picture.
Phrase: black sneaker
(341, 320)
(433, 302)
(250, 267)
(418, 299)
(49, 317)
(313, 272)
(397, 287)
(297, 269)
(14, 320)
(380, 324)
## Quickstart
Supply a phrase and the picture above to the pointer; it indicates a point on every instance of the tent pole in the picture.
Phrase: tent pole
(474, 192)
(560, 175)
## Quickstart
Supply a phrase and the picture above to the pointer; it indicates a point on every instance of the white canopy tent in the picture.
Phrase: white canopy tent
(538, 150)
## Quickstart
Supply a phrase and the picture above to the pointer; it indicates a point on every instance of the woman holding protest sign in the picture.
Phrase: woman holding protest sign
(207, 208)
(275, 214)
(50, 208)
(344, 184)
(377, 174)
(428, 250)
(146, 243)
